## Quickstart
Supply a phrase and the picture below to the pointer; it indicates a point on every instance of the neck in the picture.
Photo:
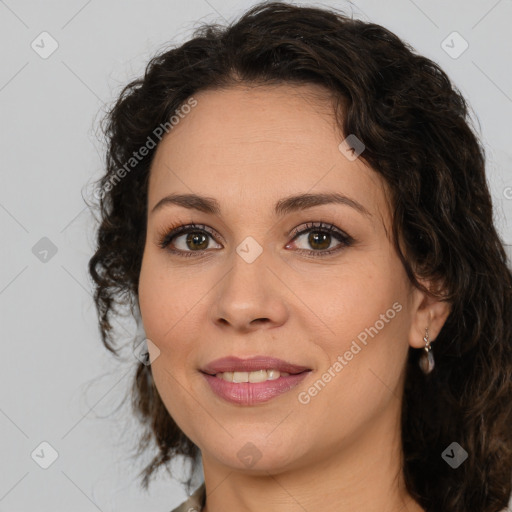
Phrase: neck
(365, 474)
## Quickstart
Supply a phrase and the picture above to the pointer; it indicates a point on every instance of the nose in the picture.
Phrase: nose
(250, 297)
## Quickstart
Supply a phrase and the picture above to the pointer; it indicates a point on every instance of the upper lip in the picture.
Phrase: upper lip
(235, 364)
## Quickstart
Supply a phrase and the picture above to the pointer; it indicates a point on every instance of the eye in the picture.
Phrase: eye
(196, 239)
(319, 236)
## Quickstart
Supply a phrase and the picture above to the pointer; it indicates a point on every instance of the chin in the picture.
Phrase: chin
(257, 455)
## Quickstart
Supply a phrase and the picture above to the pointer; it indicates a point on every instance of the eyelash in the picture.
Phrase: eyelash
(166, 237)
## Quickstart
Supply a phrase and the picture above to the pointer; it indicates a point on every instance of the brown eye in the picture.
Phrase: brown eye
(186, 240)
(196, 240)
(319, 240)
(320, 237)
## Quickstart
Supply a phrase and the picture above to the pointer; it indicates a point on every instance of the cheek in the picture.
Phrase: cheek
(150, 298)
(169, 306)
(363, 362)
(367, 311)
(163, 299)
(164, 316)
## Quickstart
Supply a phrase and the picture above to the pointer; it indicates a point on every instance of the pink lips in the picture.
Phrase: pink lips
(235, 364)
(250, 393)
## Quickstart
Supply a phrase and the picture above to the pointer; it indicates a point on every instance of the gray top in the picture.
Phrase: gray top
(195, 502)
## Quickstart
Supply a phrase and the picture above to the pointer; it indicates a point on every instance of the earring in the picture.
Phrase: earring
(427, 358)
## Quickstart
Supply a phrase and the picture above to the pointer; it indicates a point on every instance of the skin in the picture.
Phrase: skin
(248, 147)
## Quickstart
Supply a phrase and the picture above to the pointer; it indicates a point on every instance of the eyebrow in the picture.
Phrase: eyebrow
(282, 207)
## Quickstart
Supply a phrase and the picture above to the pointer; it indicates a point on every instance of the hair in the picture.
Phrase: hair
(416, 130)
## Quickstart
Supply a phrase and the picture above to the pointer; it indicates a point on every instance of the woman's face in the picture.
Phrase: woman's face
(340, 306)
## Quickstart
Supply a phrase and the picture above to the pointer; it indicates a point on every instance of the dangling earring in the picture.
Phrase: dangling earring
(427, 358)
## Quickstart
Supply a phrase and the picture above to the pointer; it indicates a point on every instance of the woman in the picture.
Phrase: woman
(296, 209)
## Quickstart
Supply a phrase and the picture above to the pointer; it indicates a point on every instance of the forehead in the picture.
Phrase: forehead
(256, 144)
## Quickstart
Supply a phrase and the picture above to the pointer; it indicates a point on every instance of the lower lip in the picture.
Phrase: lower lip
(250, 393)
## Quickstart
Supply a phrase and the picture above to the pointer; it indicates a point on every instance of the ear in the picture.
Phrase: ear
(428, 312)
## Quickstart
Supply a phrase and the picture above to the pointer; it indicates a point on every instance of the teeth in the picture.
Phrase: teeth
(257, 376)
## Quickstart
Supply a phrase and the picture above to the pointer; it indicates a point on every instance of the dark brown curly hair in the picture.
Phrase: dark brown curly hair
(417, 135)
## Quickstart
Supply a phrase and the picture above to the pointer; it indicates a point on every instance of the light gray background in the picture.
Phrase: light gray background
(59, 384)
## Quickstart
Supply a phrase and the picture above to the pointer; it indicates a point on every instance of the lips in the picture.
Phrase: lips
(235, 364)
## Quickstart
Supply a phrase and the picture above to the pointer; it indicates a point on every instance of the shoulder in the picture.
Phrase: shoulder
(195, 502)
